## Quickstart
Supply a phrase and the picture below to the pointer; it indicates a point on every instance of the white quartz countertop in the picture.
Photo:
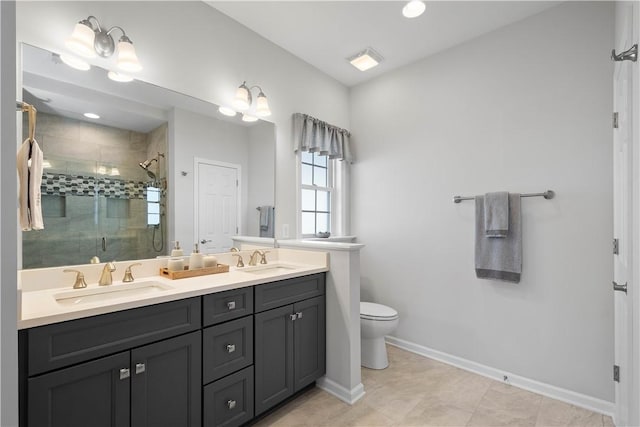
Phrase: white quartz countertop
(40, 301)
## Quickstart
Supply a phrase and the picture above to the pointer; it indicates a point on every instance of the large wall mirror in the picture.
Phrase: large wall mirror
(155, 167)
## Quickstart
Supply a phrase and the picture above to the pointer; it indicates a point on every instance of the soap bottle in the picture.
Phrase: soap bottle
(177, 250)
(196, 259)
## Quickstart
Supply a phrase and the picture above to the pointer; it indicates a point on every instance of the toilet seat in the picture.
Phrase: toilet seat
(378, 312)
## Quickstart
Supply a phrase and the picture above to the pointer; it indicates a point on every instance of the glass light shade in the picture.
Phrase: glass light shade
(262, 106)
(242, 100)
(413, 9)
(75, 62)
(91, 116)
(227, 111)
(119, 77)
(248, 118)
(102, 170)
(45, 163)
(81, 41)
(127, 58)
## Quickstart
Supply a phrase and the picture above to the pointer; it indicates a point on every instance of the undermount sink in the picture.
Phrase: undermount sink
(270, 269)
(106, 293)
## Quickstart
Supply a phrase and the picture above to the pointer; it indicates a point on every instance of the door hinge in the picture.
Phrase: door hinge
(616, 245)
(237, 180)
(616, 373)
(615, 120)
(237, 230)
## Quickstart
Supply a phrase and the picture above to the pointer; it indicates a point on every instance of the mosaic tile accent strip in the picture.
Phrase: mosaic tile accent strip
(81, 185)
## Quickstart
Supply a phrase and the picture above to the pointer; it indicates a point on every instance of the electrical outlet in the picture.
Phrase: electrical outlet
(285, 231)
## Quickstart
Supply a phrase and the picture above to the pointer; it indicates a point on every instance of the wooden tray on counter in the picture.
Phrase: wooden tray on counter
(173, 275)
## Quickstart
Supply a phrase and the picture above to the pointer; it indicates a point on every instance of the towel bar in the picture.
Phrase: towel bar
(549, 194)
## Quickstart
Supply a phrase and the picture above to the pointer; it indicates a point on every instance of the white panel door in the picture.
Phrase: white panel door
(622, 217)
(217, 202)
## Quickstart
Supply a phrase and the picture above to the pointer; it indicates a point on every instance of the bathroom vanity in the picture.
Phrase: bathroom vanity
(222, 357)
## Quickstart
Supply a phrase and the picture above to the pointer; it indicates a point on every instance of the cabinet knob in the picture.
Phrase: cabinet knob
(231, 305)
(293, 316)
(299, 315)
(231, 404)
(124, 373)
(231, 348)
(140, 368)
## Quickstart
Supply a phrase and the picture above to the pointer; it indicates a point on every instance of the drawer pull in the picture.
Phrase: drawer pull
(299, 315)
(124, 373)
(140, 368)
(231, 348)
(231, 404)
(231, 305)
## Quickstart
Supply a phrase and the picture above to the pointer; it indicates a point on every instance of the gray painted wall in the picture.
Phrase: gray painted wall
(524, 109)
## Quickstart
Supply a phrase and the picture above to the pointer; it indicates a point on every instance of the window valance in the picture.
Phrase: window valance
(315, 136)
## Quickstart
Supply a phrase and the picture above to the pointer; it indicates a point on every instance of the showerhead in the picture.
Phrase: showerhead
(145, 165)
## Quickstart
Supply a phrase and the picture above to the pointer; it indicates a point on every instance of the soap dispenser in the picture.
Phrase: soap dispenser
(196, 260)
(177, 250)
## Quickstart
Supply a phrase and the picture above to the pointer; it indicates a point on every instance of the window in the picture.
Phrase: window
(316, 193)
(153, 206)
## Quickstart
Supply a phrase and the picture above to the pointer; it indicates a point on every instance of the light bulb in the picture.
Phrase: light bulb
(91, 116)
(413, 9)
(127, 58)
(81, 40)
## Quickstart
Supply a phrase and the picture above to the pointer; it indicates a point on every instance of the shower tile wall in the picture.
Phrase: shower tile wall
(113, 207)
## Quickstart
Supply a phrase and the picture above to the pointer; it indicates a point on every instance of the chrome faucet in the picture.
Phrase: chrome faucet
(254, 257)
(128, 276)
(105, 277)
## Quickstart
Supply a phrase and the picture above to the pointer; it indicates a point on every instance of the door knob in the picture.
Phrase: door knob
(203, 241)
(621, 288)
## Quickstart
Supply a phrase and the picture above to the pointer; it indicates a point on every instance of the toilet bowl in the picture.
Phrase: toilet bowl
(376, 321)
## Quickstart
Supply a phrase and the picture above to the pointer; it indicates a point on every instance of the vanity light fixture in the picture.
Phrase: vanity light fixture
(227, 111)
(413, 9)
(91, 116)
(244, 99)
(114, 172)
(89, 40)
(45, 163)
(366, 59)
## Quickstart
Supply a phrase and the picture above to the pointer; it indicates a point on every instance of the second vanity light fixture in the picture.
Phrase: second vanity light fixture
(89, 40)
(243, 101)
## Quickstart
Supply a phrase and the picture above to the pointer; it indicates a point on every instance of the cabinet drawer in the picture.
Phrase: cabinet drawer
(228, 305)
(288, 291)
(227, 348)
(63, 344)
(229, 401)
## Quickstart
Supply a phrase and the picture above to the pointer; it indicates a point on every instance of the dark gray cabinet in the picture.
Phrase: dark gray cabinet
(90, 394)
(290, 350)
(166, 383)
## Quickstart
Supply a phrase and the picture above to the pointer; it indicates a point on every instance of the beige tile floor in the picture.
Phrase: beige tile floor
(416, 391)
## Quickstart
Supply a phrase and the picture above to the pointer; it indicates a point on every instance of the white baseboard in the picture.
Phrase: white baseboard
(342, 393)
(568, 396)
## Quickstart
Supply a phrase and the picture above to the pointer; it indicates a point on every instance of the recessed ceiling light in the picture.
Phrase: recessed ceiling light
(75, 62)
(413, 9)
(366, 59)
(227, 111)
(119, 77)
(91, 115)
(248, 118)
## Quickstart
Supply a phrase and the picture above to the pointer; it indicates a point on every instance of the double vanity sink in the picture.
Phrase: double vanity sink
(47, 295)
(213, 350)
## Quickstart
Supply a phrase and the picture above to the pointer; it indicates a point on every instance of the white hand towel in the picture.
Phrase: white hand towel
(30, 180)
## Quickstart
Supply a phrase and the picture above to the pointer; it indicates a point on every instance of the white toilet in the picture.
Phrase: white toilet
(376, 321)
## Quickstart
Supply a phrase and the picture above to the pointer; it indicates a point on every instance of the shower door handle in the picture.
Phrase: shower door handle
(104, 244)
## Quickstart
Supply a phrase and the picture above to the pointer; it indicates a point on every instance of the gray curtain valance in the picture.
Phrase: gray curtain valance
(316, 136)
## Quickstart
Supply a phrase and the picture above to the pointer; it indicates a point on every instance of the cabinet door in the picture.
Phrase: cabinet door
(89, 394)
(166, 382)
(273, 357)
(309, 338)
